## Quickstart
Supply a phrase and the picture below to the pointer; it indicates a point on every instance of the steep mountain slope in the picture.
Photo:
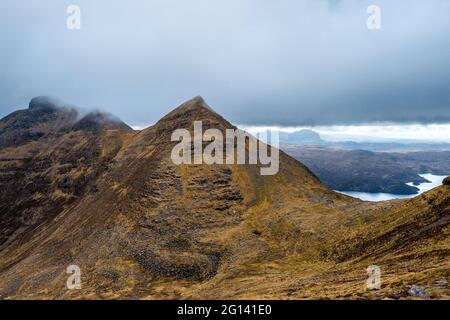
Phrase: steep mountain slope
(140, 226)
(47, 161)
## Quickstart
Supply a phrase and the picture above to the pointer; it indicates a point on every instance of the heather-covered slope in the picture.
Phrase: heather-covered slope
(324, 253)
(47, 162)
(143, 227)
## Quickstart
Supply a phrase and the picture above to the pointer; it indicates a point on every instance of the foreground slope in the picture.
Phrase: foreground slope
(139, 226)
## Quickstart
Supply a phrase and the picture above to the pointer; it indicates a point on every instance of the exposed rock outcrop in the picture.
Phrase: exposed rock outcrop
(446, 181)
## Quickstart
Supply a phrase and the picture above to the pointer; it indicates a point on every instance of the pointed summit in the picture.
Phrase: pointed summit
(195, 109)
(197, 99)
(195, 104)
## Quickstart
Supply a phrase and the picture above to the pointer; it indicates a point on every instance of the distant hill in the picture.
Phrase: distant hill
(301, 137)
(311, 137)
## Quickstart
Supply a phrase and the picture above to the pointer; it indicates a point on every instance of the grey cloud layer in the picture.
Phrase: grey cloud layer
(288, 62)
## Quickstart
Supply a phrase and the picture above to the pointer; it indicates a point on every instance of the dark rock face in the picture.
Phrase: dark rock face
(446, 181)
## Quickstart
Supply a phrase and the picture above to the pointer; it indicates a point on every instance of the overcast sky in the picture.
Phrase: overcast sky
(257, 62)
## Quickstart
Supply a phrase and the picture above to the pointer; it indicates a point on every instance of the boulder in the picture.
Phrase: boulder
(446, 181)
(419, 292)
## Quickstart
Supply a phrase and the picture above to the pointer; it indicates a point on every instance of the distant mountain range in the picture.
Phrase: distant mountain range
(311, 137)
(368, 171)
(373, 167)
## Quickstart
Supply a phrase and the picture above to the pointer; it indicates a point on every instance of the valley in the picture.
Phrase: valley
(371, 172)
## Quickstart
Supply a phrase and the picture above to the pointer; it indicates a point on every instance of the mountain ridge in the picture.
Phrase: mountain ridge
(139, 226)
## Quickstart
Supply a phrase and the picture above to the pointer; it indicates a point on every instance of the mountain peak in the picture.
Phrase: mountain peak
(44, 102)
(97, 120)
(197, 99)
(195, 103)
(192, 110)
